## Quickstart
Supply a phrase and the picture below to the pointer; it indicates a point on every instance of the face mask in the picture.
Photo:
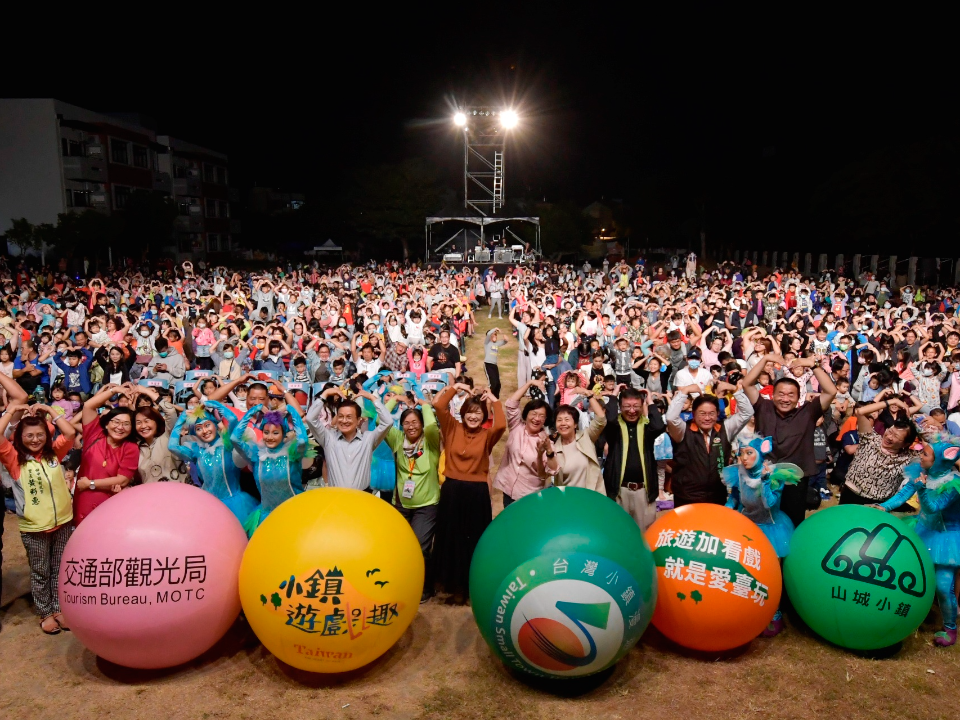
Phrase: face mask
(843, 347)
(927, 373)
(201, 325)
(144, 333)
(693, 364)
(342, 323)
(164, 353)
(228, 355)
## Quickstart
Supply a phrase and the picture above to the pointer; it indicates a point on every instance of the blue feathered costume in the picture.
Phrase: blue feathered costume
(755, 489)
(938, 523)
(215, 461)
(278, 471)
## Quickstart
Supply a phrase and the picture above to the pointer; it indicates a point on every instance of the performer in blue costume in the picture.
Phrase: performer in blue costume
(938, 523)
(211, 455)
(755, 489)
(276, 460)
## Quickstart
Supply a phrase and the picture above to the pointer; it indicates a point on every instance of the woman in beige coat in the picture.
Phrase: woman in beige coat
(573, 458)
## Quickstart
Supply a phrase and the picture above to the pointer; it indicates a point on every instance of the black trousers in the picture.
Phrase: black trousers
(493, 377)
(849, 497)
(793, 501)
(423, 521)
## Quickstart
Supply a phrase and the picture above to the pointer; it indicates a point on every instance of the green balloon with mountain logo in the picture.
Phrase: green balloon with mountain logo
(859, 577)
(562, 583)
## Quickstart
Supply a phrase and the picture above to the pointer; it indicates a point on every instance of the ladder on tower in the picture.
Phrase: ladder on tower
(497, 180)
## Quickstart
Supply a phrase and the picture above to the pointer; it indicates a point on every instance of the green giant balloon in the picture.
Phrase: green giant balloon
(562, 583)
(859, 577)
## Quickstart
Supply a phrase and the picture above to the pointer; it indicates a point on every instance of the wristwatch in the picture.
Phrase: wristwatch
(550, 454)
(93, 485)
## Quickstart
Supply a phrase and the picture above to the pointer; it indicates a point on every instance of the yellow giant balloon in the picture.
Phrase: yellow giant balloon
(331, 579)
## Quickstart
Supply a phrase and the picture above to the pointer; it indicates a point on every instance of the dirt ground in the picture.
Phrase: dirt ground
(441, 668)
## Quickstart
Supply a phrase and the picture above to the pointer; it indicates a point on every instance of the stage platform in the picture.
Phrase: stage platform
(500, 268)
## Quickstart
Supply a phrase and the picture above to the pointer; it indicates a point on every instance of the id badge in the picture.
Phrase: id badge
(408, 486)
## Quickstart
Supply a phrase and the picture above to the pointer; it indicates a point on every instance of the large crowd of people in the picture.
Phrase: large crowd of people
(640, 382)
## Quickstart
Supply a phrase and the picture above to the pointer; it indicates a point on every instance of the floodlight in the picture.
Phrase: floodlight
(460, 119)
(508, 118)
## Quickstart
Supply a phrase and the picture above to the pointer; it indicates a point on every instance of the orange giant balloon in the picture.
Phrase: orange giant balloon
(718, 577)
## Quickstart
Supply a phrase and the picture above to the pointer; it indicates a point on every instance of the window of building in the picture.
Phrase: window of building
(195, 208)
(78, 198)
(213, 242)
(211, 207)
(224, 209)
(119, 152)
(94, 149)
(193, 171)
(179, 171)
(208, 172)
(221, 176)
(121, 194)
(71, 148)
(225, 242)
(141, 157)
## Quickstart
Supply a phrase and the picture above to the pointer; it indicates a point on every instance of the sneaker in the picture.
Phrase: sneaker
(774, 628)
(945, 638)
(825, 494)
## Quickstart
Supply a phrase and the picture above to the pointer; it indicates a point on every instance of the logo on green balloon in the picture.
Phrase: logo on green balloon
(569, 615)
(883, 556)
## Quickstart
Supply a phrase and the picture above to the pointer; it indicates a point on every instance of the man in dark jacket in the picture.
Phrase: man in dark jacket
(701, 446)
(630, 470)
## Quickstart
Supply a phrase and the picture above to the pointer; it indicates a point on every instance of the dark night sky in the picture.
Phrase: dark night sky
(752, 112)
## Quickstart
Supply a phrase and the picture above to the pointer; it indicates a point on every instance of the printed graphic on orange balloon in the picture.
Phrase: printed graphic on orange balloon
(325, 603)
(717, 574)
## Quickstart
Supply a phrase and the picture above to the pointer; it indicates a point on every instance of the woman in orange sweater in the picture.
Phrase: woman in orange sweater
(464, 511)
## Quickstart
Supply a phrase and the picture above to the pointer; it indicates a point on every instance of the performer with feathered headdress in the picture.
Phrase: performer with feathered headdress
(276, 459)
(755, 488)
(208, 448)
(938, 524)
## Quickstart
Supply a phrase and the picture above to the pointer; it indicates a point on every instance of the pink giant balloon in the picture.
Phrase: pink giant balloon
(149, 579)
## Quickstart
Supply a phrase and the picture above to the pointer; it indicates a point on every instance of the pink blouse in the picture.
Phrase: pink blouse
(517, 475)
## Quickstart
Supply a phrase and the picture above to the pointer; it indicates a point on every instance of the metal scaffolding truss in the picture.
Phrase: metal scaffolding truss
(484, 142)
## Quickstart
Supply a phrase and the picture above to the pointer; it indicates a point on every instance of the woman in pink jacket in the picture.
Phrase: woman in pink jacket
(521, 470)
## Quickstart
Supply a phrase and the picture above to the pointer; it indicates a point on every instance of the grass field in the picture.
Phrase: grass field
(442, 669)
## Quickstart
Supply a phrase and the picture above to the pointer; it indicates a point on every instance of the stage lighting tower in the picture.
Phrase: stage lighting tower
(484, 141)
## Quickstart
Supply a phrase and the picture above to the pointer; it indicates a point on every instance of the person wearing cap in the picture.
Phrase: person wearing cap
(702, 445)
(693, 373)
(395, 356)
